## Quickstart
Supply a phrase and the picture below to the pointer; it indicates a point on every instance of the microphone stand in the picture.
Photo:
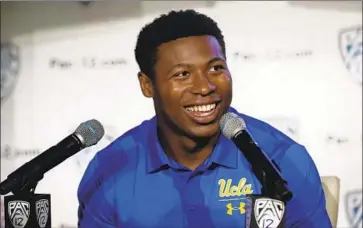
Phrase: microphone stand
(25, 209)
(267, 209)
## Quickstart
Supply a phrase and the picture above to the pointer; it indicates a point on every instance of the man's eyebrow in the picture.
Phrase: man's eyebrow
(186, 65)
(216, 59)
(179, 65)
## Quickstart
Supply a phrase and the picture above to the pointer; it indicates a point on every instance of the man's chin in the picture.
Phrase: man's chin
(204, 131)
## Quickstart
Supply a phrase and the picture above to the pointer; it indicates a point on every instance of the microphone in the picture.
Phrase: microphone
(234, 127)
(268, 208)
(26, 177)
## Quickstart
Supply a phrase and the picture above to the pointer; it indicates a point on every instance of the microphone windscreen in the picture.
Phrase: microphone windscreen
(230, 124)
(91, 132)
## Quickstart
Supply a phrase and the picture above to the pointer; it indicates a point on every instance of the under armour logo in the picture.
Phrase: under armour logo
(241, 208)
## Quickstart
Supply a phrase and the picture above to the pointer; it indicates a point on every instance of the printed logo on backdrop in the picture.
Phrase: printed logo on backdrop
(331, 139)
(10, 64)
(272, 55)
(91, 63)
(18, 213)
(353, 208)
(268, 212)
(81, 159)
(9, 152)
(42, 212)
(350, 47)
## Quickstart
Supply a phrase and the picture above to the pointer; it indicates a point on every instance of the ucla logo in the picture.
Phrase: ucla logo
(226, 189)
(350, 46)
(353, 208)
(18, 213)
(42, 212)
(268, 212)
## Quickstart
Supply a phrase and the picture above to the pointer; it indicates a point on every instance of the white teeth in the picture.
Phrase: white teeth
(202, 108)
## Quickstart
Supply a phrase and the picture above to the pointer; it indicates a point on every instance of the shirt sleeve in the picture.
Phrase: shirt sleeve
(307, 207)
(95, 201)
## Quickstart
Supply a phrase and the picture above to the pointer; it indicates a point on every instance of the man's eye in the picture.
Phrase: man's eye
(182, 74)
(217, 68)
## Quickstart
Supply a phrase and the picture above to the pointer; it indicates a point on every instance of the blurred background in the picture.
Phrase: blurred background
(295, 65)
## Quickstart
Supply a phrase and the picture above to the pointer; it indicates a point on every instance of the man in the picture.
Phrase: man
(176, 169)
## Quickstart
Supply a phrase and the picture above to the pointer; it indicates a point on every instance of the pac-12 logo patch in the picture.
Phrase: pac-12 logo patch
(268, 212)
(42, 212)
(18, 213)
(353, 208)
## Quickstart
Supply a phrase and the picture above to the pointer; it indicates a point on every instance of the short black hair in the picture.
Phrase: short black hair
(169, 27)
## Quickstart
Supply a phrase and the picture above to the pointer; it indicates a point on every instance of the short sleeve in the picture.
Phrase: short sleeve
(307, 207)
(95, 208)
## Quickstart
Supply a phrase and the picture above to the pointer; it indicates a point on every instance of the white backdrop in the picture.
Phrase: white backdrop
(285, 58)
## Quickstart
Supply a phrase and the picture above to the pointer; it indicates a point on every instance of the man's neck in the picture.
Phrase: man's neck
(186, 151)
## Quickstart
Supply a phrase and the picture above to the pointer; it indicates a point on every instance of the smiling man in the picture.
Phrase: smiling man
(176, 169)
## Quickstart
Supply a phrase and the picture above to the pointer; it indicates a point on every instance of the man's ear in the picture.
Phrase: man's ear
(146, 85)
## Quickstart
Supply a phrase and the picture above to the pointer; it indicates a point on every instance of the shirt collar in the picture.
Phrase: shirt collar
(224, 154)
(156, 157)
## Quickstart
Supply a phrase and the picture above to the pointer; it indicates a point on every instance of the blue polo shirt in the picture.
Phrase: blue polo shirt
(132, 183)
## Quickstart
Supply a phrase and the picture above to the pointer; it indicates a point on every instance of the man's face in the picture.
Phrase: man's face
(192, 87)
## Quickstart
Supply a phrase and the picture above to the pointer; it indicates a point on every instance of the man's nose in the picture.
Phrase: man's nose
(202, 85)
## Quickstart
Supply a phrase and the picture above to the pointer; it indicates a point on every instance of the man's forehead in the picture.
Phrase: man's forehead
(187, 48)
(190, 41)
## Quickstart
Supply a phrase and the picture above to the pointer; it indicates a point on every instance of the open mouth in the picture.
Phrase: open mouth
(203, 113)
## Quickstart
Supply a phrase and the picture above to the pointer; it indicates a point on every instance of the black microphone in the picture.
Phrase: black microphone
(234, 128)
(267, 209)
(23, 179)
